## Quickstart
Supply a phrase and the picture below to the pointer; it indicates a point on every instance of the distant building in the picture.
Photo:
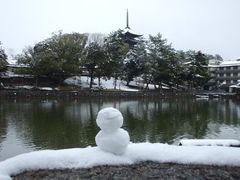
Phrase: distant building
(129, 35)
(225, 73)
(16, 67)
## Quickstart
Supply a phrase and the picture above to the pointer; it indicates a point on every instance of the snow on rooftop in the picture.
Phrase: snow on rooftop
(14, 65)
(130, 31)
(226, 63)
(136, 152)
(237, 62)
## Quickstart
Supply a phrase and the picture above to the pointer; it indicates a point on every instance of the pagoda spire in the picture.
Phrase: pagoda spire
(127, 20)
(129, 35)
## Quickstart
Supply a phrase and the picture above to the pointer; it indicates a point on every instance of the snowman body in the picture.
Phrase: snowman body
(111, 138)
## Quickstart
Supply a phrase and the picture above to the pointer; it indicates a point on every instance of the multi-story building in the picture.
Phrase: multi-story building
(225, 72)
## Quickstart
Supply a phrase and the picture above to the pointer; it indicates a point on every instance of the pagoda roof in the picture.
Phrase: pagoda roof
(129, 32)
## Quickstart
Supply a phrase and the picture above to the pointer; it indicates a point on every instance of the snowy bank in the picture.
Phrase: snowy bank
(84, 81)
(210, 142)
(136, 152)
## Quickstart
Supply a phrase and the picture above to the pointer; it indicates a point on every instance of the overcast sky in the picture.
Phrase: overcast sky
(212, 26)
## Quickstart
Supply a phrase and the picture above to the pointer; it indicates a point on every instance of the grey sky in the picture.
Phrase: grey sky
(211, 26)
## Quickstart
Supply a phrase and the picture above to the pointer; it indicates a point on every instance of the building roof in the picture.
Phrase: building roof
(17, 66)
(226, 63)
(127, 31)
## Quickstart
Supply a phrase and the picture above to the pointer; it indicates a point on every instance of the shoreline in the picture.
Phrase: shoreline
(74, 94)
(141, 170)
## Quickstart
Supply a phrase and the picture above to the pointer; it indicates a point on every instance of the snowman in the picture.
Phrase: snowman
(111, 138)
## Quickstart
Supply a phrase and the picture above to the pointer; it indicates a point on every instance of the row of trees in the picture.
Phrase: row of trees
(153, 60)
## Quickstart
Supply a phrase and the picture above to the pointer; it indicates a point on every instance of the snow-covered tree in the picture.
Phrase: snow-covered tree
(94, 60)
(3, 59)
(196, 68)
(134, 62)
(57, 57)
(162, 55)
(116, 51)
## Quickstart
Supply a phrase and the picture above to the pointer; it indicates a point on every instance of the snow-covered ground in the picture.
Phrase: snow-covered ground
(83, 81)
(93, 156)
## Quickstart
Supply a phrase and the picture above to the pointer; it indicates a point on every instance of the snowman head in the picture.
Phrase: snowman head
(109, 119)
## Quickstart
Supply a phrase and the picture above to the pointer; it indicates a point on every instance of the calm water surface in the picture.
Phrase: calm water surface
(28, 125)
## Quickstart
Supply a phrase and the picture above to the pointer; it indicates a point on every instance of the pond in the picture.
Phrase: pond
(28, 125)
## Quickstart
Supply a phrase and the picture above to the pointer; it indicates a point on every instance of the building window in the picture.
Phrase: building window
(235, 67)
(228, 74)
(235, 74)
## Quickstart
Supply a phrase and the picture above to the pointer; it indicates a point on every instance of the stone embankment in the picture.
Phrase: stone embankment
(88, 93)
(102, 93)
(143, 170)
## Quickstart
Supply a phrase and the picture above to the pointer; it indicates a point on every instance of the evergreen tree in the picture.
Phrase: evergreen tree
(135, 61)
(197, 72)
(57, 57)
(202, 75)
(3, 59)
(116, 51)
(162, 55)
(94, 60)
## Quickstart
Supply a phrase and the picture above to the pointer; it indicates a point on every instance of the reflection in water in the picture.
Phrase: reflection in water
(27, 125)
(3, 126)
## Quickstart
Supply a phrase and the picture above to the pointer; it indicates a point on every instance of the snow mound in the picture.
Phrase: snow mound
(210, 142)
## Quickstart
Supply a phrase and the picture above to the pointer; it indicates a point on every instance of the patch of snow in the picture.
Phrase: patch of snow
(130, 31)
(24, 87)
(83, 81)
(209, 142)
(234, 86)
(93, 156)
(46, 88)
(229, 63)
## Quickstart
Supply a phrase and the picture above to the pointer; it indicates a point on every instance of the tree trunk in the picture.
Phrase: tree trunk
(91, 80)
(147, 86)
(115, 83)
(36, 82)
(99, 81)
